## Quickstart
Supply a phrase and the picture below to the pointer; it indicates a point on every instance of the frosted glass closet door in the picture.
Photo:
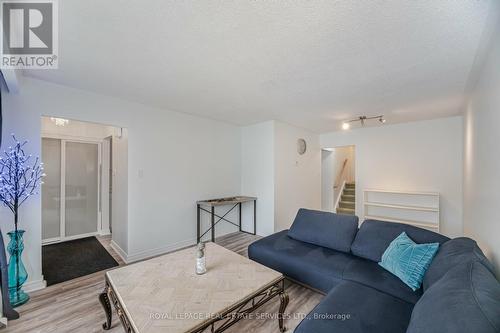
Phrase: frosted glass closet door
(51, 189)
(81, 188)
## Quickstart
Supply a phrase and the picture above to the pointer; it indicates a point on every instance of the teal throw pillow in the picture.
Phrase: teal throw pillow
(408, 260)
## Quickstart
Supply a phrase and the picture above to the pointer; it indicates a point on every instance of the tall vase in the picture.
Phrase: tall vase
(17, 272)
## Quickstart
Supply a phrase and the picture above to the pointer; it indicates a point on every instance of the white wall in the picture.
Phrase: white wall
(327, 179)
(351, 163)
(257, 174)
(119, 216)
(273, 171)
(418, 156)
(297, 177)
(174, 159)
(482, 160)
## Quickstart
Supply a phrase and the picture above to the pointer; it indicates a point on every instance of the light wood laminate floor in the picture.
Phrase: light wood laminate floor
(73, 306)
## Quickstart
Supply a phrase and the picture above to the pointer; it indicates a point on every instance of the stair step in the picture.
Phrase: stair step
(347, 204)
(347, 200)
(349, 192)
(345, 211)
(348, 197)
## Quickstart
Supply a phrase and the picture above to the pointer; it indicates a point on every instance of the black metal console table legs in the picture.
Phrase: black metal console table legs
(213, 222)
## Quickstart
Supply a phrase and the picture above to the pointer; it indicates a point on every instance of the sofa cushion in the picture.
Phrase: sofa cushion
(370, 274)
(457, 251)
(375, 236)
(466, 299)
(354, 308)
(326, 229)
(408, 260)
(316, 266)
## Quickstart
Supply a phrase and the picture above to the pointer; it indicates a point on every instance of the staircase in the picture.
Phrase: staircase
(347, 202)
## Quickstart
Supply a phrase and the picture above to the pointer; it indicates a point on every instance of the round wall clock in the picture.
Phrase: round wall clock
(301, 146)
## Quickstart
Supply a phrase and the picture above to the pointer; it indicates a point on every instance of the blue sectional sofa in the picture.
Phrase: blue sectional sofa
(328, 252)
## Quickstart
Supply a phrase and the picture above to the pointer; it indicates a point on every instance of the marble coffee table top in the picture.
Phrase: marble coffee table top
(164, 294)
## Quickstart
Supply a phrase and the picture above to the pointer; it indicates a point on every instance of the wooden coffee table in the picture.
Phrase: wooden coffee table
(164, 294)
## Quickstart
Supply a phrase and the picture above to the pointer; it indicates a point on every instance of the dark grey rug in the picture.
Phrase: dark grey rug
(69, 260)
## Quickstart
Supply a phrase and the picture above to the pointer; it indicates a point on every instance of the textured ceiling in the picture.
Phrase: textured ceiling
(307, 63)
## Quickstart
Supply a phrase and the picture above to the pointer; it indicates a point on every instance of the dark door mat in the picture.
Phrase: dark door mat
(69, 260)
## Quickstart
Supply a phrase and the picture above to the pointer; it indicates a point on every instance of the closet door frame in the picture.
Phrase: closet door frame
(62, 229)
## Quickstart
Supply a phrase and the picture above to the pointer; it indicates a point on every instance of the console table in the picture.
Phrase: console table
(205, 205)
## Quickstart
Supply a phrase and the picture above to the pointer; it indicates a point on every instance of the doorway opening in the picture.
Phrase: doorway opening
(338, 187)
(77, 198)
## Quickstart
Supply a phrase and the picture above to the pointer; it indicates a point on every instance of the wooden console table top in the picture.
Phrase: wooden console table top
(164, 294)
(226, 201)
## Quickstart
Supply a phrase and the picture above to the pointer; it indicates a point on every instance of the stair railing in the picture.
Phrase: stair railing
(339, 185)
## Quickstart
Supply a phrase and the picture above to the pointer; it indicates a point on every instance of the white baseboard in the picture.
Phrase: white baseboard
(133, 257)
(34, 285)
(119, 251)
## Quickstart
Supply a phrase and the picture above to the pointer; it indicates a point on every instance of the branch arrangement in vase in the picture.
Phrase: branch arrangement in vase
(20, 178)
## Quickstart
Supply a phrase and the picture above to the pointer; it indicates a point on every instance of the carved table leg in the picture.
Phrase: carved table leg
(106, 304)
(283, 304)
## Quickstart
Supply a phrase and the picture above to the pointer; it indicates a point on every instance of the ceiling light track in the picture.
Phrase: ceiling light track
(362, 119)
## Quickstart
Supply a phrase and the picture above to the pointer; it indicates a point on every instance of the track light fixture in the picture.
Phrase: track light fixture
(362, 119)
